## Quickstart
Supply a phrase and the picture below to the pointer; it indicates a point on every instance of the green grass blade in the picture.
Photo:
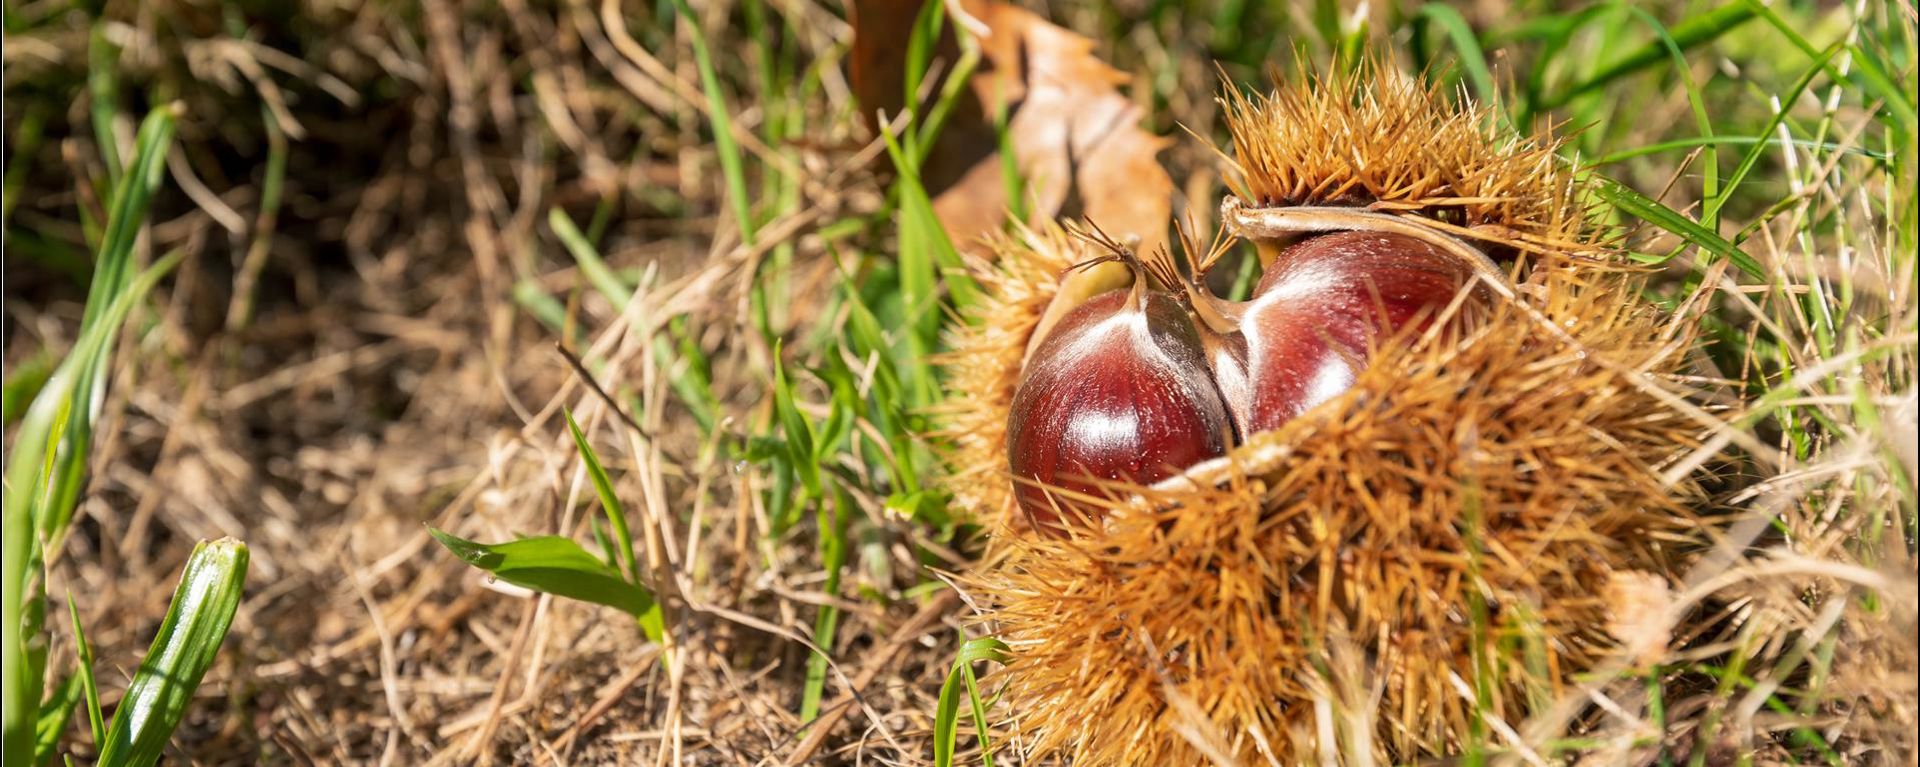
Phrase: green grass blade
(1752, 157)
(1466, 44)
(54, 713)
(544, 308)
(26, 380)
(1710, 158)
(1688, 34)
(692, 372)
(189, 639)
(127, 212)
(591, 265)
(732, 168)
(1869, 73)
(833, 519)
(609, 500)
(551, 564)
(841, 413)
(946, 716)
(1647, 209)
(103, 98)
(798, 430)
(25, 145)
(927, 25)
(1770, 142)
(84, 672)
(1872, 74)
(34, 483)
(113, 270)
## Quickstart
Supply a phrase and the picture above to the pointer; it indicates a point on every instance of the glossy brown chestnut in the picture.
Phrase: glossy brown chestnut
(1322, 304)
(1119, 390)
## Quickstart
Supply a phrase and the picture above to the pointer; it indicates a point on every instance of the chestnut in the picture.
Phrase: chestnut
(1119, 390)
(1322, 304)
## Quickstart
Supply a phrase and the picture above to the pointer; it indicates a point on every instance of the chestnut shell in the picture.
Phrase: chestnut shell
(1112, 393)
(1320, 307)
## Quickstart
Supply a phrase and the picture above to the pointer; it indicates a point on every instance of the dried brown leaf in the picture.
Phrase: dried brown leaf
(1076, 138)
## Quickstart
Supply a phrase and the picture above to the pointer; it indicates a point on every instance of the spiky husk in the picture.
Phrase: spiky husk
(1468, 499)
(1433, 546)
(1380, 138)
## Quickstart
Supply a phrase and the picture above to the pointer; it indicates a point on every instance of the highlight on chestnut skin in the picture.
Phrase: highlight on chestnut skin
(1118, 390)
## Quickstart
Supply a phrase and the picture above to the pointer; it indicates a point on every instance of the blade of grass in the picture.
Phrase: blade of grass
(1686, 35)
(920, 141)
(54, 713)
(889, 406)
(1871, 75)
(692, 376)
(544, 308)
(731, 166)
(1771, 142)
(591, 265)
(272, 183)
(1710, 158)
(103, 98)
(1753, 154)
(1647, 209)
(1011, 179)
(112, 272)
(925, 251)
(21, 151)
(833, 555)
(551, 564)
(609, 500)
(32, 488)
(84, 672)
(1466, 44)
(927, 25)
(189, 639)
(797, 429)
(946, 716)
(23, 384)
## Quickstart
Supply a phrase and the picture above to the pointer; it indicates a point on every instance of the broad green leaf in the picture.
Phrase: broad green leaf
(555, 565)
(189, 639)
